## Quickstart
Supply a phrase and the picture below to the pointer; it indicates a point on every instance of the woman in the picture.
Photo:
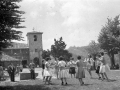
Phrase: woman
(89, 64)
(47, 72)
(80, 73)
(1, 72)
(98, 63)
(17, 69)
(57, 68)
(63, 74)
(43, 67)
(103, 67)
(72, 67)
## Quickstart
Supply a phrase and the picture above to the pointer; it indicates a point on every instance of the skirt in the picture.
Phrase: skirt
(80, 73)
(104, 68)
(89, 67)
(98, 69)
(64, 74)
(47, 73)
(72, 70)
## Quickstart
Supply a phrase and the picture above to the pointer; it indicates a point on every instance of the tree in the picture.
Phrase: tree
(46, 53)
(10, 19)
(93, 48)
(109, 38)
(58, 49)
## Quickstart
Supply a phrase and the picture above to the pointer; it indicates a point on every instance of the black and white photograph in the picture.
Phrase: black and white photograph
(59, 44)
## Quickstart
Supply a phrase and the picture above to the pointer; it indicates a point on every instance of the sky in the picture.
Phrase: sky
(77, 21)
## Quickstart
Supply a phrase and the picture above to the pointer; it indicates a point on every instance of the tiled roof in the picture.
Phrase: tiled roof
(18, 45)
(8, 58)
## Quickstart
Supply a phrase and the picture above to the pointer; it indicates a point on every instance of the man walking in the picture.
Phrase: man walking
(32, 70)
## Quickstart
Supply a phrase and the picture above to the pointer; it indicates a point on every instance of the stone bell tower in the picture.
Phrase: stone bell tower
(35, 47)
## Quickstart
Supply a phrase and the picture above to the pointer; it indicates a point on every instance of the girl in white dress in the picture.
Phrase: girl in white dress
(103, 67)
(57, 68)
(63, 74)
(89, 64)
(47, 72)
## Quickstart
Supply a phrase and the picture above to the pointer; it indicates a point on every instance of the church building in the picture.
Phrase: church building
(21, 53)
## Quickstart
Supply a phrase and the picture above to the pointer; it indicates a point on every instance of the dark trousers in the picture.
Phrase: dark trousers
(12, 77)
(32, 72)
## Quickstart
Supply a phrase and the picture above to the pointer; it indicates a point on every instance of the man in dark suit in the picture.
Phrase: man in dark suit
(32, 70)
(11, 71)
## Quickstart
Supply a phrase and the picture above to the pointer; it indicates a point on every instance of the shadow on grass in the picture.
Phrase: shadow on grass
(79, 84)
(87, 84)
(25, 87)
(112, 80)
(94, 78)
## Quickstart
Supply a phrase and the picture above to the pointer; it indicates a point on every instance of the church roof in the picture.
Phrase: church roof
(16, 45)
(35, 32)
(8, 58)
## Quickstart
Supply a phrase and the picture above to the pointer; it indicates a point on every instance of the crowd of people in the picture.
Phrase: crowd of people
(10, 71)
(65, 70)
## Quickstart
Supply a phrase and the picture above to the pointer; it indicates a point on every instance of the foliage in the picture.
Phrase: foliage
(58, 49)
(46, 53)
(93, 48)
(109, 38)
(10, 19)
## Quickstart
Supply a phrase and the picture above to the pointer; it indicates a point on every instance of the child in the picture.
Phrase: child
(47, 72)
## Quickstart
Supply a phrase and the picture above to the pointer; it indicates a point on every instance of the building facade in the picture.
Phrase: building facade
(26, 53)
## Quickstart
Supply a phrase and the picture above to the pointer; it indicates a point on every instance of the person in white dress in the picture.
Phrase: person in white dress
(57, 68)
(103, 67)
(63, 74)
(89, 64)
(47, 73)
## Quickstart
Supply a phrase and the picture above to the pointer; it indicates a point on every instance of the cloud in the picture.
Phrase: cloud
(80, 37)
(52, 13)
(75, 11)
(77, 21)
(33, 14)
(47, 43)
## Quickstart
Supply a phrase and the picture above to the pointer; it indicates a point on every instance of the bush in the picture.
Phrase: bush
(115, 67)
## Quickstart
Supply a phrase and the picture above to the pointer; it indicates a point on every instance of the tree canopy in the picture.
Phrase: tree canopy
(46, 53)
(109, 38)
(58, 49)
(10, 20)
(93, 48)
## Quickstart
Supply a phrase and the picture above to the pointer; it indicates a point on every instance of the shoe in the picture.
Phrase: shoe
(62, 83)
(66, 83)
(99, 78)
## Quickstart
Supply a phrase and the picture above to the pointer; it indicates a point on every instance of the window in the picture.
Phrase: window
(35, 50)
(35, 37)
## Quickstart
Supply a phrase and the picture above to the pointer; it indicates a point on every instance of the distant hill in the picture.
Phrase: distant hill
(83, 52)
(78, 51)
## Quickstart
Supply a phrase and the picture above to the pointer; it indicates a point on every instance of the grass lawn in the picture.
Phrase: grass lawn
(73, 84)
